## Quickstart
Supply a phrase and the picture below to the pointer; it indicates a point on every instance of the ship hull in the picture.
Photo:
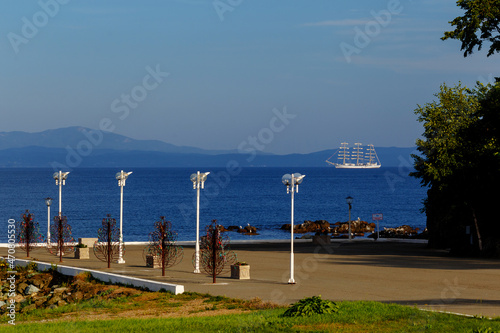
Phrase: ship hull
(345, 166)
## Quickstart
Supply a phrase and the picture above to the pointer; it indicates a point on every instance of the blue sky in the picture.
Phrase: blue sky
(216, 73)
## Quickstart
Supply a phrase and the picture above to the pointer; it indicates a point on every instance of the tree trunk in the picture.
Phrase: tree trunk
(214, 253)
(109, 245)
(480, 242)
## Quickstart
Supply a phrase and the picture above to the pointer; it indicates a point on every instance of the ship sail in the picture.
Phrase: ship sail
(355, 159)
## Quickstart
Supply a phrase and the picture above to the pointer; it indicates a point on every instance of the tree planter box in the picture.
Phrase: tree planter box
(241, 272)
(153, 261)
(82, 253)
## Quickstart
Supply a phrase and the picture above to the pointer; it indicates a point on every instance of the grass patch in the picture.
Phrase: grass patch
(350, 317)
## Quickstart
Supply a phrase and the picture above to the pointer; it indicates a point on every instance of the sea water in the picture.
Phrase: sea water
(254, 196)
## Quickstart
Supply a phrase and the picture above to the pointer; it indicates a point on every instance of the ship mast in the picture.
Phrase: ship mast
(357, 152)
(344, 152)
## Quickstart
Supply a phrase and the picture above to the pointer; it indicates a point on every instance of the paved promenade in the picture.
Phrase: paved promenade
(405, 273)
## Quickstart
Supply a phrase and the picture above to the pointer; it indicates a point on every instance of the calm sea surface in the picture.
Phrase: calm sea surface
(249, 195)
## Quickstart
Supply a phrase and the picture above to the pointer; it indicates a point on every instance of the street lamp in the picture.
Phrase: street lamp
(292, 182)
(48, 202)
(198, 180)
(121, 177)
(349, 202)
(60, 178)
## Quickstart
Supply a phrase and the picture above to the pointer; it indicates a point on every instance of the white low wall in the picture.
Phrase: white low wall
(109, 277)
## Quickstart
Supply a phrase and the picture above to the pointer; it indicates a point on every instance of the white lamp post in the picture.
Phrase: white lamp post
(60, 178)
(48, 202)
(198, 180)
(349, 202)
(292, 184)
(121, 177)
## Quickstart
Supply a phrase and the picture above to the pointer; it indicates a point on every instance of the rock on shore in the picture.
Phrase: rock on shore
(320, 226)
(36, 290)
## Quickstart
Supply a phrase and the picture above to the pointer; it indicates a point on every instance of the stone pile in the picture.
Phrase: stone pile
(51, 289)
(248, 230)
(358, 227)
(319, 226)
(404, 231)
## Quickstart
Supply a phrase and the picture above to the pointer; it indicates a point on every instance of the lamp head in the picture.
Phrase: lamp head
(199, 178)
(60, 177)
(287, 179)
(298, 178)
(122, 177)
(48, 201)
(348, 200)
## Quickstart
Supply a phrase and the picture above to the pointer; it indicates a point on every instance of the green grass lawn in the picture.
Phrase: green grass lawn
(351, 317)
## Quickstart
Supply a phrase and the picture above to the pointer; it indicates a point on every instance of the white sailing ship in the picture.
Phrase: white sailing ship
(355, 159)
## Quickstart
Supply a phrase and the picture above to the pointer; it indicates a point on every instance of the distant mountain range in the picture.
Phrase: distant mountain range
(73, 147)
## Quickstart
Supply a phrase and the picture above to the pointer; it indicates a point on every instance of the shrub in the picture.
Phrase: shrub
(310, 306)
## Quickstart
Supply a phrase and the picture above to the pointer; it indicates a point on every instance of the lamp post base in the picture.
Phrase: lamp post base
(120, 261)
(197, 271)
(291, 281)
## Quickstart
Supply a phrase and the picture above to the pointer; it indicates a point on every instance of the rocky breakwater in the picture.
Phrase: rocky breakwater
(358, 228)
(404, 231)
(248, 230)
(319, 226)
(51, 289)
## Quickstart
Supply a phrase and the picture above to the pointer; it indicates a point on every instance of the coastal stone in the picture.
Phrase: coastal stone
(28, 308)
(404, 231)
(21, 287)
(77, 296)
(41, 280)
(60, 290)
(248, 230)
(358, 227)
(31, 289)
(54, 300)
(18, 298)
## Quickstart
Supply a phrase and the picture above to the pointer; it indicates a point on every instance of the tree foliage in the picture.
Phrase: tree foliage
(215, 253)
(61, 240)
(480, 22)
(107, 246)
(28, 234)
(162, 244)
(459, 161)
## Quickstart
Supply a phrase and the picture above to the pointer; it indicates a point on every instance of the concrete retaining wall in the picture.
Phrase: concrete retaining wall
(109, 277)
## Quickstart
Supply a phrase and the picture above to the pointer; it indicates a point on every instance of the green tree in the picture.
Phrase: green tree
(480, 22)
(459, 162)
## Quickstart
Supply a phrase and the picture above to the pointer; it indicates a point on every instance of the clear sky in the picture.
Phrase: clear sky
(287, 76)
